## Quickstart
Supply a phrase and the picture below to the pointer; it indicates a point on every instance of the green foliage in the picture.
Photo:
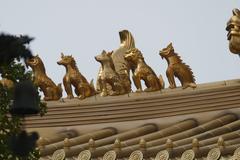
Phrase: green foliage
(12, 47)
(11, 125)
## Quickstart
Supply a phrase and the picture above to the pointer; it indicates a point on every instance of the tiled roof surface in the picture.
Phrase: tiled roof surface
(140, 106)
(222, 133)
(141, 125)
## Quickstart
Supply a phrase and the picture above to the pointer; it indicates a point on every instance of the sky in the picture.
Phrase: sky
(85, 28)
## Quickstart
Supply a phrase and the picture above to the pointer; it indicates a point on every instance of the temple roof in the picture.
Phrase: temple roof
(173, 123)
(140, 106)
(221, 133)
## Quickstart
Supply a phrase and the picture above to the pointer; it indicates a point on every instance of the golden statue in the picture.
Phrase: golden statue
(109, 80)
(7, 83)
(50, 90)
(233, 28)
(177, 68)
(121, 65)
(74, 78)
(143, 72)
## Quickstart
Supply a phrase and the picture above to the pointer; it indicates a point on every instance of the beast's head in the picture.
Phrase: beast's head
(233, 28)
(66, 60)
(133, 55)
(34, 62)
(104, 56)
(165, 52)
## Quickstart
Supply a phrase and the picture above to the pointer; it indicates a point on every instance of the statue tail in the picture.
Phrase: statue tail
(161, 81)
(59, 90)
(92, 86)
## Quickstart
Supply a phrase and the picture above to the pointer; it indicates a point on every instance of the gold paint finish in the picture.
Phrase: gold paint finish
(233, 28)
(50, 90)
(121, 65)
(74, 78)
(141, 71)
(7, 83)
(177, 68)
(109, 80)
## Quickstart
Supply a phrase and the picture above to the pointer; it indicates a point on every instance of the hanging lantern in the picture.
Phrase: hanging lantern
(25, 100)
(23, 143)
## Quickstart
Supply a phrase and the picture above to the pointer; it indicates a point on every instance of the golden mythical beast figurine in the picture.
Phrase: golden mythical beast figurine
(121, 65)
(7, 83)
(233, 28)
(109, 80)
(73, 77)
(143, 72)
(50, 90)
(177, 68)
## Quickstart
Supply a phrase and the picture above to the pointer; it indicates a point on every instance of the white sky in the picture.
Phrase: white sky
(85, 28)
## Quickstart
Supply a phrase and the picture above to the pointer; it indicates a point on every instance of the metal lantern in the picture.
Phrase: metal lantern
(23, 143)
(25, 100)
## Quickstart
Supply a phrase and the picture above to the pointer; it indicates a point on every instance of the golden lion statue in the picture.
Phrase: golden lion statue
(74, 78)
(109, 80)
(143, 72)
(50, 90)
(233, 28)
(177, 68)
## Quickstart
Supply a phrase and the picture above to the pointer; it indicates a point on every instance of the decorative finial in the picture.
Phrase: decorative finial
(66, 143)
(91, 144)
(220, 143)
(141, 71)
(234, 32)
(74, 78)
(177, 68)
(195, 143)
(7, 83)
(120, 64)
(41, 142)
(169, 144)
(50, 90)
(117, 144)
(142, 144)
(109, 81)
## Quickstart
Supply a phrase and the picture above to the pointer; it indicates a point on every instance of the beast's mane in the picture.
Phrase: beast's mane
(40, 63)
(178, 57)
(73, 62)
(181, 61)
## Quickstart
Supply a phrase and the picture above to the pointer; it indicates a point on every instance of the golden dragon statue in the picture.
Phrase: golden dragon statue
(177, 68)
(109, 80)
(74, 78)
(233, 28)
(122, 67)
(143, 72)
(50, 90)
